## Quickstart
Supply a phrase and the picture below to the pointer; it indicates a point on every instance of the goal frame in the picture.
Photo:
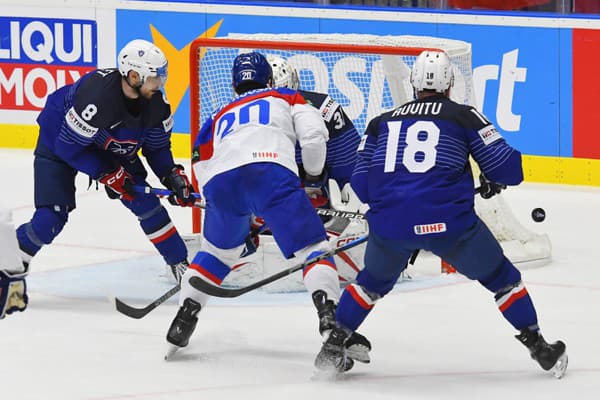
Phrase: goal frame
(195, 79)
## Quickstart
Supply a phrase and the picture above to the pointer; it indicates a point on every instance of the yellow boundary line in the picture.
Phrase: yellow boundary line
(563, 170)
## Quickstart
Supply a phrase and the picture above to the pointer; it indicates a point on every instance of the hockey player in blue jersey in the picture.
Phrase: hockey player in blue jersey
(96, 126)
(246, 165)
(413, 171)
(343, 137)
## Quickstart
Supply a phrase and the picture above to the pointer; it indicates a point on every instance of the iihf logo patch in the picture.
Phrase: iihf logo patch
(430, 228)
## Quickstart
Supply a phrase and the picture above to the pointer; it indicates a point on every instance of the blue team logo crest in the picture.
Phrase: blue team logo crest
(141, 53)
(121, 147)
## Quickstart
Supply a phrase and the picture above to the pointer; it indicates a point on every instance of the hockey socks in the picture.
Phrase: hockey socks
(511, 296)
(164, 236)
(210, 267)
(322, 276)
(516, 306)
(354, 306)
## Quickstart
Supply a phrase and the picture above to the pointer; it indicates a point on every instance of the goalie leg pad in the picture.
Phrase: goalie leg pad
(13, 293)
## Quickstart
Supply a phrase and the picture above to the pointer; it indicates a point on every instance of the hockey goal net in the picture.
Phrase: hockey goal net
(367, 75)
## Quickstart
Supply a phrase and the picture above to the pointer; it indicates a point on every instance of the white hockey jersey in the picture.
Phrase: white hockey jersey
(261, 126)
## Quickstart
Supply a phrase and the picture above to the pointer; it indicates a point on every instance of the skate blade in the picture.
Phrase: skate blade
(327, 375)
(560, 368)
(358, 353)
(170, 352)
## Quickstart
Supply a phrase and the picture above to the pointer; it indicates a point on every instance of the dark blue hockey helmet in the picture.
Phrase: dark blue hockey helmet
(251, 68)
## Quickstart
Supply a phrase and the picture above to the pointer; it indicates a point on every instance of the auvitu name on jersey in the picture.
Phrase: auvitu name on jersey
(427, 108)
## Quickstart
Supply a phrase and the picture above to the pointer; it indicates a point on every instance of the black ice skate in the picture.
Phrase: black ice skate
(176, 271)
(183, 325)
(551, 357)
(333, 358)
(357, 345)
(325, 310)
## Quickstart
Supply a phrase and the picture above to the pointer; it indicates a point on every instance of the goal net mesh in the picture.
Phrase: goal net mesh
(367, 75)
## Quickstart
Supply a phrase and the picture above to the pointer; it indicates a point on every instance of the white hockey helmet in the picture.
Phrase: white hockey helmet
(284, 74)
(144, 58)
(432, 71)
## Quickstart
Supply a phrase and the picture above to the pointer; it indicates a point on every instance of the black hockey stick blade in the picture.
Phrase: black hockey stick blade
(218, 291)
(138, 313)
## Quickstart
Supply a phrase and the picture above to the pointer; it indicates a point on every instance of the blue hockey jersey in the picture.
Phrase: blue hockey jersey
(343, 137)
(93, 127)
(413, 167)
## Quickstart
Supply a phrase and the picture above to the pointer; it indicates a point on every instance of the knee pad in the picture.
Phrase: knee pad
(504, 276)
(47, 223)
(373, 285)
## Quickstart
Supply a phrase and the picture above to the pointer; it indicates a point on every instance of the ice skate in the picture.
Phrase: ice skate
(357, 346)
(183, 325)
(176, 271)
(551, 357)
(332, 358)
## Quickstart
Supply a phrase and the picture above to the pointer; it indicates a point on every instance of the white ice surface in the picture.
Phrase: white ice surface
(435, 338)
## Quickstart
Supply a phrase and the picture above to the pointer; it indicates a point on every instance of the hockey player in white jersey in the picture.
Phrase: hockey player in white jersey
(246, 166)
(13, 288)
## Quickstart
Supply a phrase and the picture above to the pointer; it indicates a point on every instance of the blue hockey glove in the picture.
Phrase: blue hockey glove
(489, 189)
(13, 293)
(316, 189)
(177, 181)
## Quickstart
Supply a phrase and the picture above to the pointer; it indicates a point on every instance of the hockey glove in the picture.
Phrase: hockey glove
(252, 241)
(316, 189)
(177, 181)
(118, 184)
(13, 293)
(489, 189)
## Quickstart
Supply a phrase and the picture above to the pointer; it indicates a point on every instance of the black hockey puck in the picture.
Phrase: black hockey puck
(538, 214)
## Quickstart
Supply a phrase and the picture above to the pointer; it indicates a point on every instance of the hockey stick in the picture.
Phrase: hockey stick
(138, 313)
(321, 211)
(218, 291)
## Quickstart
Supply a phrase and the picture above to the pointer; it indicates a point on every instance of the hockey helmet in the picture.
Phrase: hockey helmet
(144, 58)
(432, 71)
(251, 67)
(284, 74)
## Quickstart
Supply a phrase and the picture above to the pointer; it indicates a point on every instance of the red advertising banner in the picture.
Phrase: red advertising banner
(586, 93)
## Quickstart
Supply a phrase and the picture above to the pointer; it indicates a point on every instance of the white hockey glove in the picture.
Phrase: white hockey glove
(13, 292)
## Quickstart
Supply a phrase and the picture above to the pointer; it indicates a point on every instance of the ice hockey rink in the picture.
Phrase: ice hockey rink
(435, 337)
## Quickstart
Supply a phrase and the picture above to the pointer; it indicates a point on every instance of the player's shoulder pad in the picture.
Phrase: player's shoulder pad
(160, 112)
(95, 97)
(314, 98)
(471, 118)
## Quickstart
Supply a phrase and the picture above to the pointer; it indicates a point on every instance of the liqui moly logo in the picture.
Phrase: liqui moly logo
(40, 55)
(430, 228)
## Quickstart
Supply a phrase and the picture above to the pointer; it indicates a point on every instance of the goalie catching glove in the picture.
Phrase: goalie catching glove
(13, 292)
(177, 181)
(489, 189)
